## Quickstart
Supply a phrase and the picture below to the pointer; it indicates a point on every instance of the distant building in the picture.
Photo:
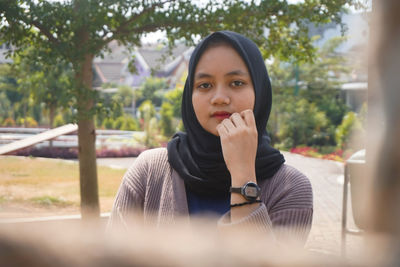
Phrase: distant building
(148, 60)
(355, 86)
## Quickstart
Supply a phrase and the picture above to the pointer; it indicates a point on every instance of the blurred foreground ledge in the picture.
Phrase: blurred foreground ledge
(180, 244)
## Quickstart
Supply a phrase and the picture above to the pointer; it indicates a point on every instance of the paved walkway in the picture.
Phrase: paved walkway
(327, 182)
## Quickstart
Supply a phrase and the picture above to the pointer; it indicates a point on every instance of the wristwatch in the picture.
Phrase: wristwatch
(251, 191)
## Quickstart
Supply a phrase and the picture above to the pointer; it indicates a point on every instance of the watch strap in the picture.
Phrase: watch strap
(236, 190)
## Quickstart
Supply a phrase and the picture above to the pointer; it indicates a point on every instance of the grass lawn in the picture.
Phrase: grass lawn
(31, 187)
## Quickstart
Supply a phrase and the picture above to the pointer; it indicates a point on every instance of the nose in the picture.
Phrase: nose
(220, 96)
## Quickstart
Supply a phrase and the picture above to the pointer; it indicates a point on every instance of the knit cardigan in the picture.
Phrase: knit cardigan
(152, 187)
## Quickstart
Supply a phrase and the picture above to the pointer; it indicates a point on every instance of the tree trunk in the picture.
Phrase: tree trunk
(25, 112)
(52, 112)
(87, 143)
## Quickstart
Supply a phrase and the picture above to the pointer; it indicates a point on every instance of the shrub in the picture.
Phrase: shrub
(349, 126)
(108, 123)
(166, 119)
(126, 123)
(9, 122)
(27, 122)
(174, 97)
(30, 122)
(303, 124)
(180, 126)
(337, 154)
(117, 124)
(149, 123)
(72, 153)
(20, 121)
(58, 121)
(48, 152)
(130, 124)
(120, 152)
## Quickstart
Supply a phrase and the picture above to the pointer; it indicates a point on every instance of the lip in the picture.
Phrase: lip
(221, 115)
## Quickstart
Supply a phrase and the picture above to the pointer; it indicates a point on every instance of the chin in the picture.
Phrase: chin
(215, 132)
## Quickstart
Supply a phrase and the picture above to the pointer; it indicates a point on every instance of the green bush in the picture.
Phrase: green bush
(30, 122)
(149, 123)
(180, 126)
(303, 124)
(146, 110)
(174, 97)
(151, 90)
(166, 120)
(58, 120)
(108, 123)
(5, 106)
(130, 124)
(350, 125)
(117, 124)
(126, 123)
(27, 122)
(9, 122)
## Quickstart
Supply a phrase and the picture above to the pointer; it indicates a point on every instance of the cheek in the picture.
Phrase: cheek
(246, 100)
(197, 105)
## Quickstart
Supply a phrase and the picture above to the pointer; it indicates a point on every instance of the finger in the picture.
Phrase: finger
(237, 120)
(248, 117)
(228, 124)
(221, 129)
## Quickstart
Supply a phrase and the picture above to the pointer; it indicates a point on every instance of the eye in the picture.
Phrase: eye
(204, 86)
(237, 83)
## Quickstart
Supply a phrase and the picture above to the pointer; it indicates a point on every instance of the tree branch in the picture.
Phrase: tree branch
(46, 32)
(124, 25)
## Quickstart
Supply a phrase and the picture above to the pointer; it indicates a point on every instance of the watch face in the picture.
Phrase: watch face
(251, 191)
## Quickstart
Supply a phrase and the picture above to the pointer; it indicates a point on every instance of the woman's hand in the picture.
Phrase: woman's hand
(239, 146)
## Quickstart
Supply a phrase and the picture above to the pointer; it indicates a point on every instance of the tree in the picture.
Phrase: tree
(149, 90)
(319, 83)
(5, 107)
(7, 85)
(78, 30)
(174, 97)
(124, 95)
(303, 124)
(322, 80)
(19, 100)
(45, 82)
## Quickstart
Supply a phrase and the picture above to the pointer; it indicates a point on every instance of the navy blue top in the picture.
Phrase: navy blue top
(206, 205)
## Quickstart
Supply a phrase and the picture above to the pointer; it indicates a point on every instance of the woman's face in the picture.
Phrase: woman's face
(222, 86)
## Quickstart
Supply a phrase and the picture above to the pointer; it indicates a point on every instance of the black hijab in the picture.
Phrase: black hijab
(197, 154)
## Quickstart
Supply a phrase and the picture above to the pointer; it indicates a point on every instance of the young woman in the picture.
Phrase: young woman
(223, 163)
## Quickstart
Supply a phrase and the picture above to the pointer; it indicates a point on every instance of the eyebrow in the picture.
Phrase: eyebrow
(237, 72)
(231, 73)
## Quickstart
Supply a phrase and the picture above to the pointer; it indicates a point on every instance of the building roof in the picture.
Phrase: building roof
(152, 58)
(157, 56)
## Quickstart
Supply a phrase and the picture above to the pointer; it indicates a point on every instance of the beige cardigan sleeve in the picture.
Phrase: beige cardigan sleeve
(286, 210)
(130, 197)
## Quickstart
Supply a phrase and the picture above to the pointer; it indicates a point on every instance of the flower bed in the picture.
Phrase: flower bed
(337, 155)
(72, 153)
